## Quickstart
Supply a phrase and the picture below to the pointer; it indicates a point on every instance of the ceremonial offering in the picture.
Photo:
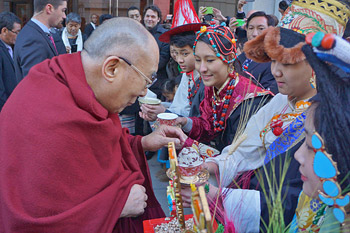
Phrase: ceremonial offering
(200, 208)
(167, 118)
(149, 100)
(190, 163)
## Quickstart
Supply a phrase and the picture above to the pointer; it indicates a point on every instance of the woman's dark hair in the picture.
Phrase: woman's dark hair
(183, 39)
(153, 8)
(332, 119)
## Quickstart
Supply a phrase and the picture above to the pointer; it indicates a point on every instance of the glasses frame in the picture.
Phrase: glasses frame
(149, 81)
(334, 201)
(12, 31)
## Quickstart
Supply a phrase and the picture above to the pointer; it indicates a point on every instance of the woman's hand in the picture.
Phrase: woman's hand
(150, 112)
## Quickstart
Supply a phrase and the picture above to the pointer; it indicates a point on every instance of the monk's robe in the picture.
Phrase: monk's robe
(66, 164)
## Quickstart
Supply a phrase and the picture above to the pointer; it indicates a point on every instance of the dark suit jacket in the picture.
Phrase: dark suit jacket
(88, 30)
(164, 56)
(32, 47)
(7, 75)
(262, 73)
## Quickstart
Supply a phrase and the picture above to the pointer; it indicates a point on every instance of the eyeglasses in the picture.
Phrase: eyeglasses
(149, 81)
(12, 31)
(326, 169)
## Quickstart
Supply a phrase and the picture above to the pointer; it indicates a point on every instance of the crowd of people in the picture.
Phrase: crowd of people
(271, 95)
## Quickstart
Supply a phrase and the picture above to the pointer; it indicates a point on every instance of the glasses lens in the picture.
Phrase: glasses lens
(323, 167)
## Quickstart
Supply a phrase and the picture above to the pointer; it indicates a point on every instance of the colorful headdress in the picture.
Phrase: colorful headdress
(305, 16)
(217, 35)
(280, 44)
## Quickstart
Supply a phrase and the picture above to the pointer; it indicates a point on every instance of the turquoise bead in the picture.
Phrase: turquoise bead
(317, 39)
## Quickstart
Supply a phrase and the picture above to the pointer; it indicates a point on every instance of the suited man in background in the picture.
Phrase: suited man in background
(90, 27)
(35, 42)
(152, 17)
(256, 23)
(10, 26)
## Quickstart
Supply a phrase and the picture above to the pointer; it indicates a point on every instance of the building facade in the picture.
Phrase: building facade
(24, 8)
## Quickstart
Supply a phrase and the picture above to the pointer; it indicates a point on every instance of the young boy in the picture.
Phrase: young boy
(191, 89)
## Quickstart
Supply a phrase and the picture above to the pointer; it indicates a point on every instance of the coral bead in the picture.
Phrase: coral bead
(277, 131)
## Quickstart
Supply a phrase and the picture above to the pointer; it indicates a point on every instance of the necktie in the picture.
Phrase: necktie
(53, 43)
(10, 51)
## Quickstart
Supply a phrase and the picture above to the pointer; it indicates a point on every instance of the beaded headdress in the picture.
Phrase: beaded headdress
(216, 35)
(302, 17)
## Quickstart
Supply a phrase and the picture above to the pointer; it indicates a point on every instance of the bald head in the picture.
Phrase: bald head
(123, 36)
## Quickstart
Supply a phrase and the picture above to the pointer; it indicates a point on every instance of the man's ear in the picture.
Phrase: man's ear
(110, 68)
(49, 9)
(3, 30)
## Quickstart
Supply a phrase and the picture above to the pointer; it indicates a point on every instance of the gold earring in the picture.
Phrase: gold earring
(313, 80)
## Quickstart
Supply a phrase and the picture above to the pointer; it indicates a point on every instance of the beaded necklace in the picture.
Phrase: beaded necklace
(220, 122)
(190, 93)
(276, 122)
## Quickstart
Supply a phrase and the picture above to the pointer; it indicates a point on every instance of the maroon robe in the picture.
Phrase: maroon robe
(66, 165)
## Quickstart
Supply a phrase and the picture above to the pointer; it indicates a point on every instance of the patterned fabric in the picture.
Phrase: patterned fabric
(291, 136)
(309, 215)
(305, 21)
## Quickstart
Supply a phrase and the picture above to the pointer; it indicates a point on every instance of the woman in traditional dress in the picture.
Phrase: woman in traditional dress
(324, 156)
(226, 91)
(276, 130)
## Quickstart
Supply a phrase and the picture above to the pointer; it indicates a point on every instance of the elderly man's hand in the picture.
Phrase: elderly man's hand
(162, 136)
(136, 203)
(150, 112)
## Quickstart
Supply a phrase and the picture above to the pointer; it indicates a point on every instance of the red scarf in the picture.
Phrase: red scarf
(66, 165)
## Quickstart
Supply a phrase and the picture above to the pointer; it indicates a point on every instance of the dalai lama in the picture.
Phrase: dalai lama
(66, 164)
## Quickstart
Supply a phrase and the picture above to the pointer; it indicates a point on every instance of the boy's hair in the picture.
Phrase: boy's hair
(169, 86)
(183, 39)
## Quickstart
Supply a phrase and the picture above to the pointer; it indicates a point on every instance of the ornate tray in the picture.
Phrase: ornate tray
(200, 178)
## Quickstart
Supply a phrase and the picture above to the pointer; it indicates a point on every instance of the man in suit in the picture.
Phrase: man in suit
(151, 18)
(35, 42)
(256, 23)
(89, 28)
(10, 25)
